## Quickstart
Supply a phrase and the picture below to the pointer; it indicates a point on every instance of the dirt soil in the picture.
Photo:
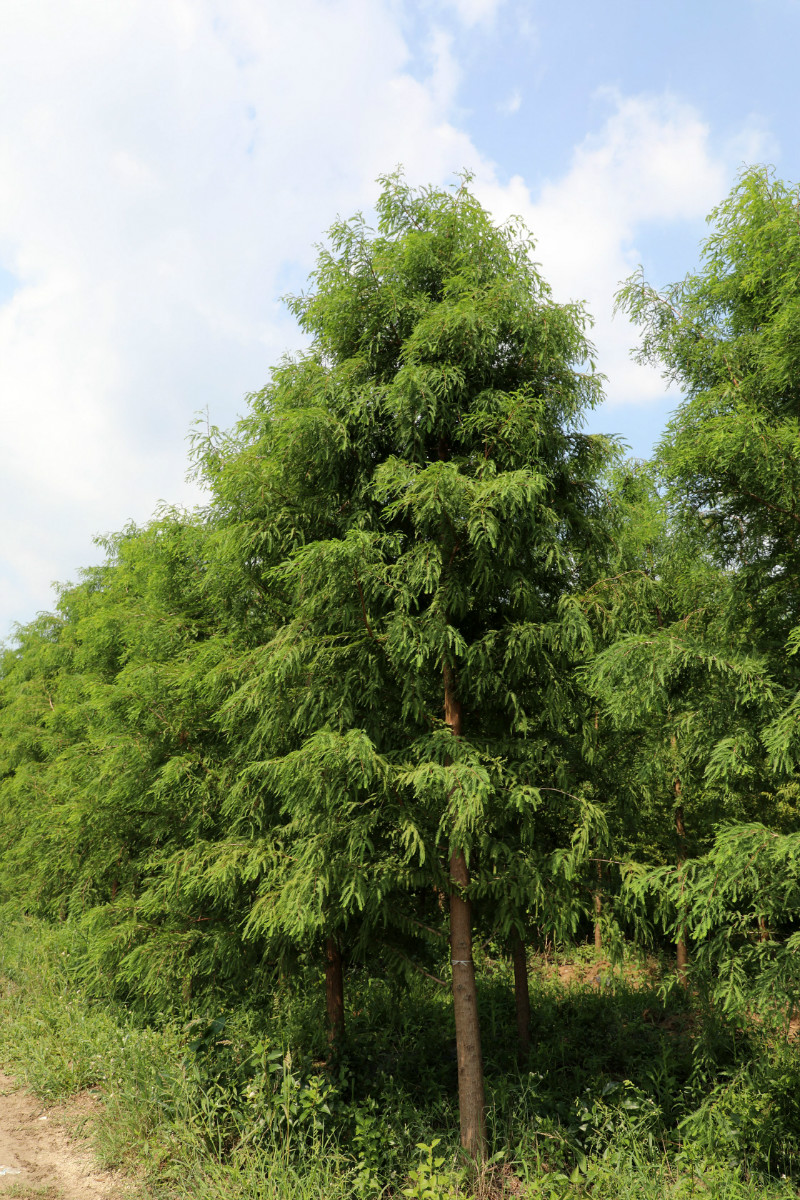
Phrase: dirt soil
(598, 973)
(38, 1158)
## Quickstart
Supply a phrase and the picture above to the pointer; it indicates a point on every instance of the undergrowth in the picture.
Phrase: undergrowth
(630, 1090)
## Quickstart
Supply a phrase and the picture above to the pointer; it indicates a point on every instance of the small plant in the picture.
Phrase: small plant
(428, 1181)
(619, 1122)
(374, 1146)
(281, 1104)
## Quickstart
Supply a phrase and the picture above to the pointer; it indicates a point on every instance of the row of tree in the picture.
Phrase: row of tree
(433, 661)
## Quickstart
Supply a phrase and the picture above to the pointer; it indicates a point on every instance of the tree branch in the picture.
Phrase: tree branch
(364, 607)
(773, 507)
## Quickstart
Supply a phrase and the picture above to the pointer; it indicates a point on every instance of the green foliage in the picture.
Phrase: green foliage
(719, 675)
(128, 766)
(741, 903)
(728, 335)
(415, 494)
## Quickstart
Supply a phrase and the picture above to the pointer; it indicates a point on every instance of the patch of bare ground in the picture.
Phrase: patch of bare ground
(40, 1160)
(599, 972)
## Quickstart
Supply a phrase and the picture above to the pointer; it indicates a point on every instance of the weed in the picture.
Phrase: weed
(429, 1180)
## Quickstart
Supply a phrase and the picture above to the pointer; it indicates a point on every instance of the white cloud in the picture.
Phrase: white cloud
(445, 75)
(165, 169)
(650, 164)
(526, 28)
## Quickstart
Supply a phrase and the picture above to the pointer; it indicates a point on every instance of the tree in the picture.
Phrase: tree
(416, 489)
(728, 336)
(113, 767)
(679, 688)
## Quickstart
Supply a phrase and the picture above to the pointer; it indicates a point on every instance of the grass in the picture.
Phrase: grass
(626, 1094)
(23, 1192)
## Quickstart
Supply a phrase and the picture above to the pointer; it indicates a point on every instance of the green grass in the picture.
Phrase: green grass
(24, 1192)
(626, 1094)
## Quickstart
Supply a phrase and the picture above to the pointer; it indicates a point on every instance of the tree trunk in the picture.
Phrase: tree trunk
(522, 997)
(598, 898)
(471, 1103)
(334, 992)
(598, 911)
(682, 950)
(763, 929)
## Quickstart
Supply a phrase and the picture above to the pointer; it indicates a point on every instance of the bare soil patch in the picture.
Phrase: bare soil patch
(39, 1159)
(598, 973)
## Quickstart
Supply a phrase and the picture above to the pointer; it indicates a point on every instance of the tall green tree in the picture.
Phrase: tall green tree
(728, 335)
(417, 490)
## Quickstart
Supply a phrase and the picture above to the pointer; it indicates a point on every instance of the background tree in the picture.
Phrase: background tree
(727, 336)
(113, 765)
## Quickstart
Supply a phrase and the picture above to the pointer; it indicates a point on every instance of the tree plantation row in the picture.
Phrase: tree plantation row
(435, 668)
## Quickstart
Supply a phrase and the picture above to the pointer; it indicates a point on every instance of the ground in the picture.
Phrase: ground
(38, 1158)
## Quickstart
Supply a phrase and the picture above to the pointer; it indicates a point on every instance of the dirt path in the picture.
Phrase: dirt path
(37, 1157)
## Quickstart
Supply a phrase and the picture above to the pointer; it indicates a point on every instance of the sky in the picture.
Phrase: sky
(168, 166)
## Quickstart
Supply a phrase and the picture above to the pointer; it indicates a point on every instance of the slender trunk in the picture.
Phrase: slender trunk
(471, 1104)
(598, 911)
(598, 898)
(334, 992)
(763, 929)
(682, 950)
(522, 997)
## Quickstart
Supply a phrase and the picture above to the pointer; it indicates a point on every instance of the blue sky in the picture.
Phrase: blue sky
(167, 165)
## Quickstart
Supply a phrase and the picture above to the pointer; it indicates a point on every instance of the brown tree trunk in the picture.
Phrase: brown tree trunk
(334, 992)
(598, 898)
(522, 997)
(598, 911)
(682, 950)
(763, 929)
(471, 1103)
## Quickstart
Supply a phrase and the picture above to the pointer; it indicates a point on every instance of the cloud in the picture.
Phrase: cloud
(753, 143)
(165, 170)
(650, 166)
(166, 167)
